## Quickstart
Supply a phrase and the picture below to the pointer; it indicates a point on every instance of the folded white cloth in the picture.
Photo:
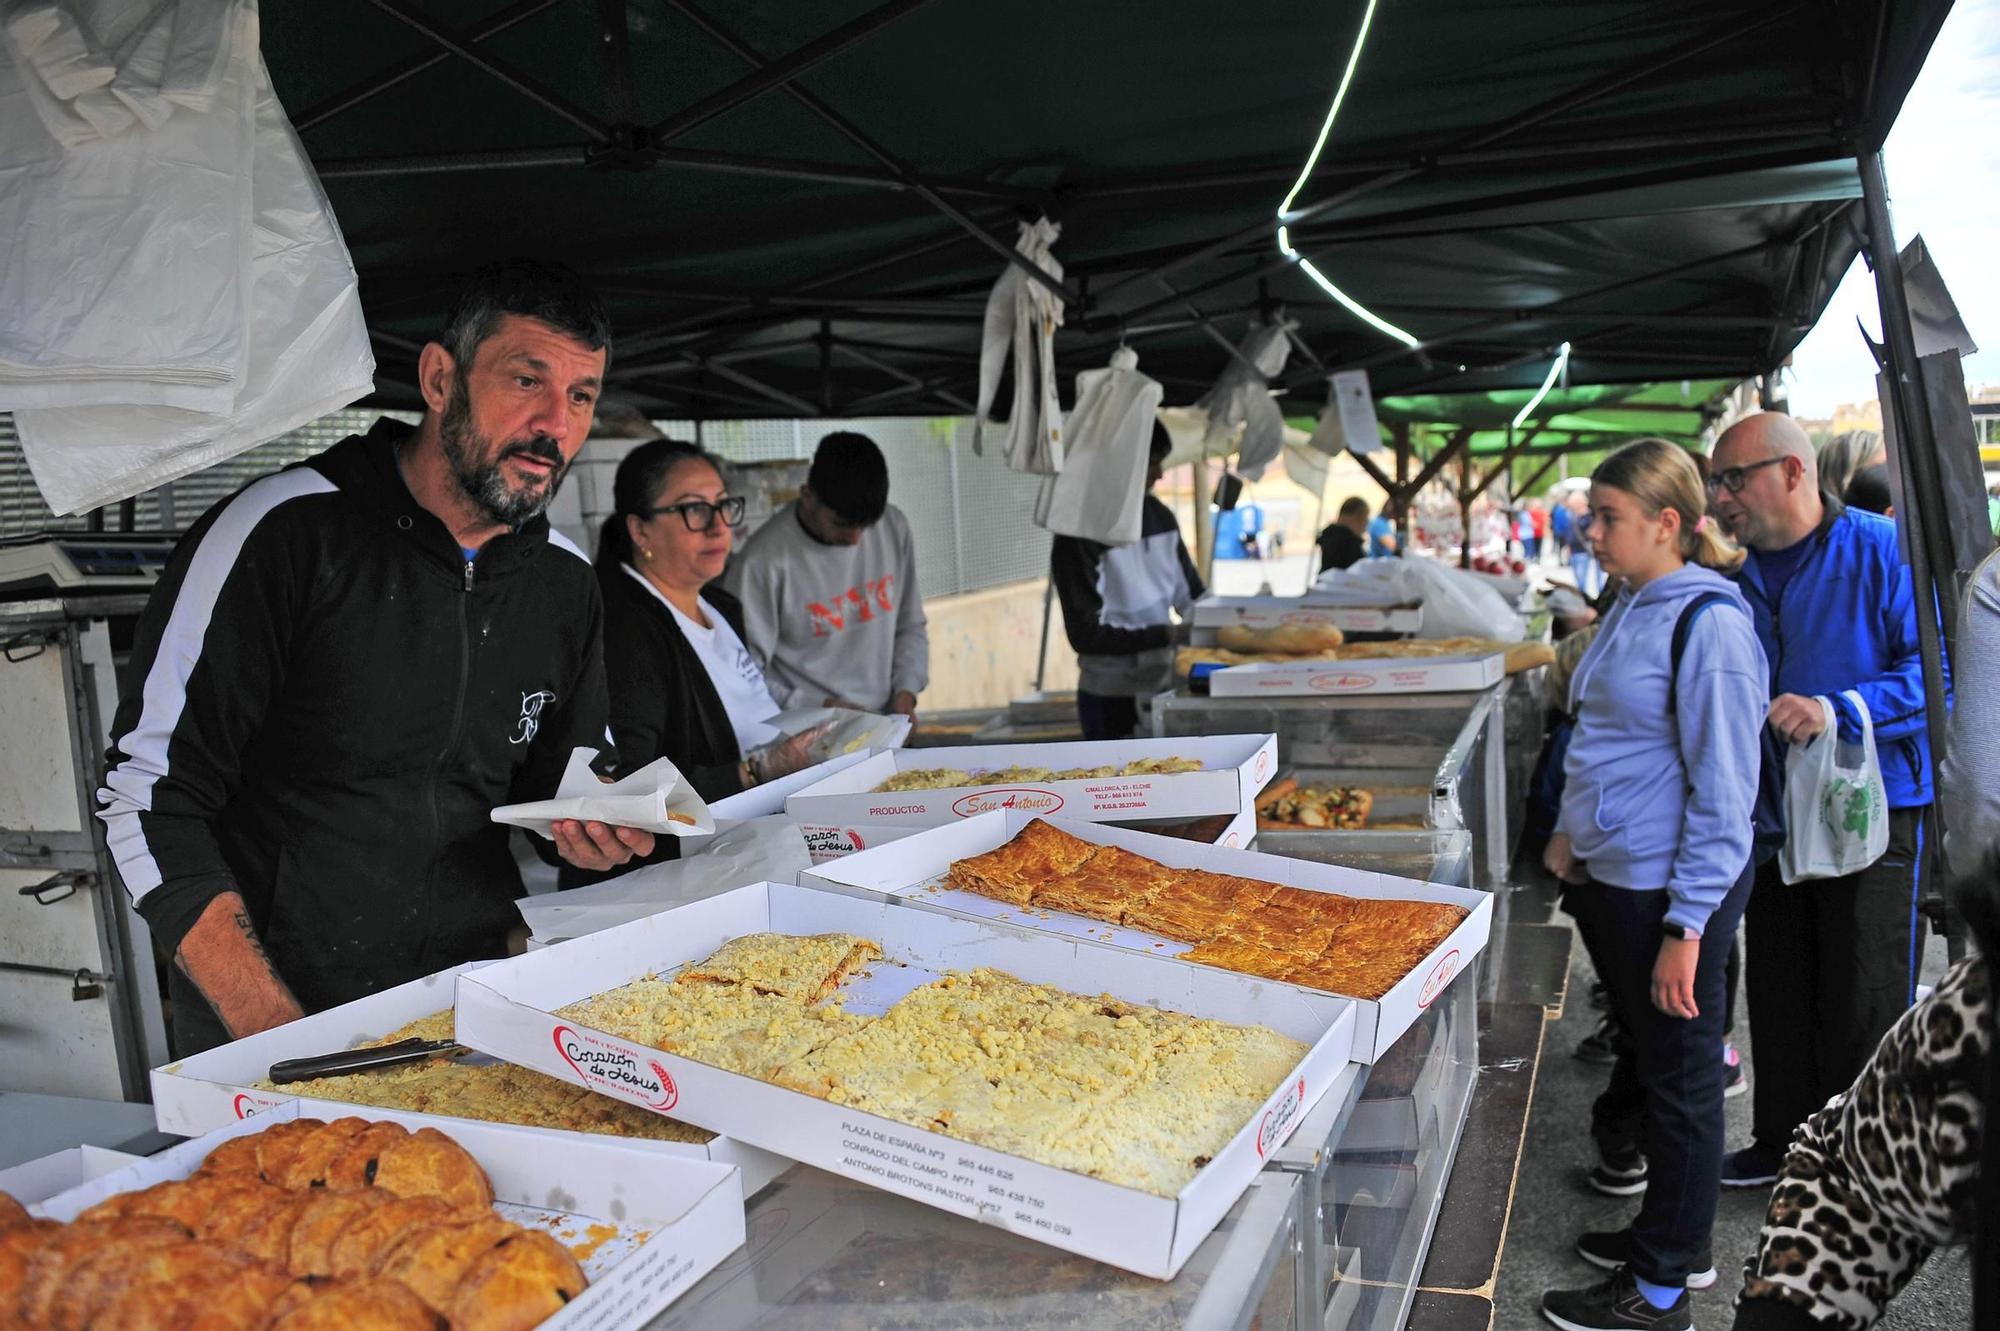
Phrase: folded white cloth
(656, 798)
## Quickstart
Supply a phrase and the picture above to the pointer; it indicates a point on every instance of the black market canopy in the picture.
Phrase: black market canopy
(797, 210)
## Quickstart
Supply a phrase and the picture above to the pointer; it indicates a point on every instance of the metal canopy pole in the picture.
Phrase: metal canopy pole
(1915, 456)
(347, 98)
(462, 47)
(782, 71)
(854, 135)
(1535, 476)
(1404, 491)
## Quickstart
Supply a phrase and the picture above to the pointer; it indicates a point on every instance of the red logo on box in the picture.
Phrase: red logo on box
(1279, 1118)
(1439, 977)
(601, 1063)
(1341, 682)
(1026, 799)
(246, 1105)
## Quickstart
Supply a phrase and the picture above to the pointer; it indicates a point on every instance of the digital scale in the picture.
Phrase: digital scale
(82, 562)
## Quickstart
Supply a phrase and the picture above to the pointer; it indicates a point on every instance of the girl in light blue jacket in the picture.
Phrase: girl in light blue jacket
(1653, 846)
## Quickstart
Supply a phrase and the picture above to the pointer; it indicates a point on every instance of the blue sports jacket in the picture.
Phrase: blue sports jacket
(1847, 620)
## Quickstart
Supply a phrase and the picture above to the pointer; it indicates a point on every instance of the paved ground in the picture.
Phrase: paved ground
(1551, 1205)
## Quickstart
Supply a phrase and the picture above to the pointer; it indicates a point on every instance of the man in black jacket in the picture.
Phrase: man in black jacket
(348, 664)
(1117, 604)
(1342, 544)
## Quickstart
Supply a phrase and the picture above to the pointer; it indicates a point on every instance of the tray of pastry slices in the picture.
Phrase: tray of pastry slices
(292, 1222)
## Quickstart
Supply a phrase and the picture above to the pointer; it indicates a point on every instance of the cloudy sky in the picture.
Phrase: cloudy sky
(1943, 161)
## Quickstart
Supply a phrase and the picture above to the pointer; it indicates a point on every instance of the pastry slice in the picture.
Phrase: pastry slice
(807, 969)
(1404, 927)
(1038, 853)
(1105, 886)
(740, 1030)
(1294, 921)
(1195, 905)
(1354, 974)
(1232, 954)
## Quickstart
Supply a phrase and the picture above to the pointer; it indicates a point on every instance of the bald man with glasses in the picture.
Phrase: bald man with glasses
(1831, 962)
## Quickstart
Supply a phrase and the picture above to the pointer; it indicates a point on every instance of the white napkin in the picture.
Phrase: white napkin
(759, 851)
(644, 800)
(847, 731)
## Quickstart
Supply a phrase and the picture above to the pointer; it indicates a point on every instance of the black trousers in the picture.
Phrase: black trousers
(1831, 963)
(1106, 717)
(1666, 1088)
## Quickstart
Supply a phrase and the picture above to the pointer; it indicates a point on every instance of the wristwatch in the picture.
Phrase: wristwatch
(1680, 933)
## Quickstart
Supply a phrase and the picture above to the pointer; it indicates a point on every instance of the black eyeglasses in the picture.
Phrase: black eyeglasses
(1733, 479)
(699, 514)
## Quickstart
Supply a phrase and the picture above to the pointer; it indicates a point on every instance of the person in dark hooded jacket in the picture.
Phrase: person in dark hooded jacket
(347, 665)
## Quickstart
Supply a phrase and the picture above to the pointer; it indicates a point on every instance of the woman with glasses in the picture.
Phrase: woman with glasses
(683, 686)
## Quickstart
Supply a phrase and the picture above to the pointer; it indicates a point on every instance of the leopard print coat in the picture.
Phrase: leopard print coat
(1887, 1171)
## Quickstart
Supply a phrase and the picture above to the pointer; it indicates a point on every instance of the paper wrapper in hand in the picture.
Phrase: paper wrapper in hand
(847, 731)
(758, 851)
(656, 798)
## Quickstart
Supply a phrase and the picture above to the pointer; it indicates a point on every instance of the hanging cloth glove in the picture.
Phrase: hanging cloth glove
(1242, 396)
(1098, 492)
(1026, 313)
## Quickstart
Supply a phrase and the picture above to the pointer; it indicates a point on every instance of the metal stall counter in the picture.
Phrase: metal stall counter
(1434, 761)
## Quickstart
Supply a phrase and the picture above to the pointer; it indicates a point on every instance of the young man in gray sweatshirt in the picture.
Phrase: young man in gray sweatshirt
(831, 608)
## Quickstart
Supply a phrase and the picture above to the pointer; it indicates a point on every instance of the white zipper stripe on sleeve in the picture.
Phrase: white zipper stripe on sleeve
(129, 786)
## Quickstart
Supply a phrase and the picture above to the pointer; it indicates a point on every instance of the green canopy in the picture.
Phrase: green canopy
(797, 209)
(1584, 417)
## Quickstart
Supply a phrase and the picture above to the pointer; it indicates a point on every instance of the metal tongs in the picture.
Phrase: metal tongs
(359, 1060)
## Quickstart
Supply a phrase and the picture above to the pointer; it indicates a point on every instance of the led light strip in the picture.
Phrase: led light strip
(1555, 370)
(1353, 306)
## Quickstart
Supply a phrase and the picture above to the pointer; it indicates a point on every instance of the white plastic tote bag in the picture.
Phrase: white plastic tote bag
(1836, 810)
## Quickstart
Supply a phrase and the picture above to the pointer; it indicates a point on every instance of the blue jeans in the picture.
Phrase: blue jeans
(1667, 1083)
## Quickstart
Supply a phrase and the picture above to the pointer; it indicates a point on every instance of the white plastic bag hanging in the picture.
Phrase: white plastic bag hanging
(1836, 807)
(1242, 396)
(1098, 493)
(308, 349)
(126, 275)
(1023, 315)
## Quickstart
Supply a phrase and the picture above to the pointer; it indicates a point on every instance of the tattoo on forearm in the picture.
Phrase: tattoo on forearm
(242, 921)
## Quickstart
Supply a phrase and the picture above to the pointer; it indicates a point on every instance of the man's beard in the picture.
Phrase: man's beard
(476, 465)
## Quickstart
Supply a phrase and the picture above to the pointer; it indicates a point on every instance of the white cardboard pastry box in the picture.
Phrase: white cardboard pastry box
(1429, 674)
(507, 1009)
(650, 1225)
(911, 873)
(36, 1180)
(1235, 768)
(216, 1088)
(1270, 612)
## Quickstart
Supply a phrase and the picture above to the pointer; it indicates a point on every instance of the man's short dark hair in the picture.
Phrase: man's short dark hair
(1352, 505)
(534, 289)
(1162, 443)
(850, 477)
